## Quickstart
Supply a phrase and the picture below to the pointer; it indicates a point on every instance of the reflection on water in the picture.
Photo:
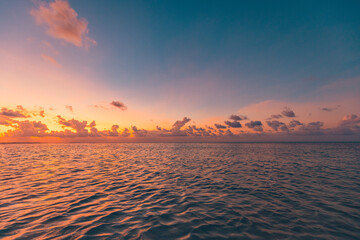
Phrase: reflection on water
(180, 191)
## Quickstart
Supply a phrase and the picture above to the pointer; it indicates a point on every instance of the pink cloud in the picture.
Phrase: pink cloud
(12, 120)
(50, 59)
(62, 22)
(70, 108)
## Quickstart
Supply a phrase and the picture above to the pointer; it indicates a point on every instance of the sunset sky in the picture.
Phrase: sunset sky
(179, 71)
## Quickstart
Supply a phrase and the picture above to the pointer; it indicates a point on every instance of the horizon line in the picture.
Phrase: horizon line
(281, 142)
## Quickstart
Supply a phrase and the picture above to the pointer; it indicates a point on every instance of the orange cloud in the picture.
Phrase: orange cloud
(62, 22)
(70, 108)
(19, 113)
(16, 127)
(50, 59)
(28, 129)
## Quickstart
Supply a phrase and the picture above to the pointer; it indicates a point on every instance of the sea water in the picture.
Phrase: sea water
(180, 191)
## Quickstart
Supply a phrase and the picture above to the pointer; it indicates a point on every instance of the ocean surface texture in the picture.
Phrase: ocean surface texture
(180, 191)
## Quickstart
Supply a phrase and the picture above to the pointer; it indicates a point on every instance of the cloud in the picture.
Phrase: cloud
(229, 133)
(12, 120)
(233, 124)
(275, 116)
(62, 22)
(312, 128)
(82, 129)
(100, 106)
(72, 128)
(50, 59)
(139, 132)
(119, 105)
(114, 130)
(350, 124)
(78, 126)
(5, 122)
(235, 117)
(176, 127)
(46, 46)
(293, 123)
(328, 109)
(198, 131)
(28, 129)
(93, 130)
(209, 127)
(277, 125)
(70, 108)
(125, 133)
(349, 120)
(287, 112)
(256, 125)
(219, 126)
(13, 114)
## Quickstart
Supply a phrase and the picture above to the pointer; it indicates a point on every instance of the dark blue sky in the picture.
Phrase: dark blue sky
(252, 44)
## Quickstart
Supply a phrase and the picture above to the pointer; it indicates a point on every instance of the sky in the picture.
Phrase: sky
(178, 71)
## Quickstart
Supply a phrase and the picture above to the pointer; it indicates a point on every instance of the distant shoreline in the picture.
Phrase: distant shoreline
(7, 143)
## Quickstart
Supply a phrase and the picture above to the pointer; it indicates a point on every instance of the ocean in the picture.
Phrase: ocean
(180, 191)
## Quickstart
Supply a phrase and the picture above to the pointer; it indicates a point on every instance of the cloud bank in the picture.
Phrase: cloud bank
(19, 124)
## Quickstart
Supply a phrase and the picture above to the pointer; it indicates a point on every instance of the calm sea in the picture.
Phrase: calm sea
(180, 191)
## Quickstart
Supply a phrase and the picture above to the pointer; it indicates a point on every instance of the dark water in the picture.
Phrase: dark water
(180, 191)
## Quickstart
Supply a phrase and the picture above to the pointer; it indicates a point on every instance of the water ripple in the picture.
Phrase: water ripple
(180, 191)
